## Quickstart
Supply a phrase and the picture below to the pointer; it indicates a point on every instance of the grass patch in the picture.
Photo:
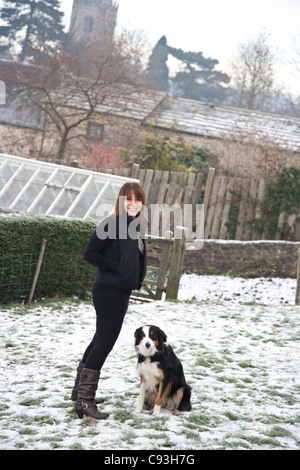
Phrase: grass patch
(225, 360)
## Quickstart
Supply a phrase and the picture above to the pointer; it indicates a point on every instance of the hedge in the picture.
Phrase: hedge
(63, 272)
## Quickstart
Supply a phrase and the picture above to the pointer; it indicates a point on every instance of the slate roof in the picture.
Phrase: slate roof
(124, 102)
(204, 120)
(216, 121)
(193, 117)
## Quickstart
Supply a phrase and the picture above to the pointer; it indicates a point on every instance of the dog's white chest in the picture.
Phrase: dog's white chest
(149, 371)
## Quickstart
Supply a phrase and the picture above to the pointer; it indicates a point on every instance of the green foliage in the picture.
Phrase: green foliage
(32, 27)
(198, 160)
(282, 195)
(161, 151)
(197, 78)
(284, 191)
(158, 72)
(63, 272)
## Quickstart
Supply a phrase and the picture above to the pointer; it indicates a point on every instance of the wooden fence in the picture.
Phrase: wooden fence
(233, 205)
(230, 204)
(230, 207)
(170, 188)
(165, 186)
(234, 211)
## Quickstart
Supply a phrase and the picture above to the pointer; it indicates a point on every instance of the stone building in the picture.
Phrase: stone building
(93, 21)
(235, 135)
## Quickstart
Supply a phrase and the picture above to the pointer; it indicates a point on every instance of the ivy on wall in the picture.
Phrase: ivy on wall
(282, 196)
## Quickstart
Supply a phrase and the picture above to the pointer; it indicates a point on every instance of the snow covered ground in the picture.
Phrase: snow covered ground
(268, 291)
(238, 340)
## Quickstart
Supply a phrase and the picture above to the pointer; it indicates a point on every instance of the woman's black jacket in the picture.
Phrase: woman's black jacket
(113, 248)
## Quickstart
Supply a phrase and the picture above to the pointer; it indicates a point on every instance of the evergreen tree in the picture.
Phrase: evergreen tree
(158, 72)
(31, 28)
(197, 80)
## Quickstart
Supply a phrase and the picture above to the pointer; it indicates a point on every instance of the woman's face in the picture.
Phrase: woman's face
(132, 205)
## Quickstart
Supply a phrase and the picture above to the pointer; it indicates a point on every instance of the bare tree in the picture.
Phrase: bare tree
(293, 60)
(252, 72)
(295, 56)
(72, 86)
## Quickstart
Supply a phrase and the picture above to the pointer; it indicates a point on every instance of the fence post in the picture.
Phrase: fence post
(37, 271)
(135, 171)
(208, 186)
(297, 301)
(176, 263)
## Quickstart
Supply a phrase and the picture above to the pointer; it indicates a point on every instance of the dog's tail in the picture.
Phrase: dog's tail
(185, 404)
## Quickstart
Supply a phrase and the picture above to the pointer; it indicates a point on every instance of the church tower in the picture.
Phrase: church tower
(93, 21)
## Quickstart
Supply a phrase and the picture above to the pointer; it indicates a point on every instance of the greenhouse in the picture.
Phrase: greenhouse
(32, 186)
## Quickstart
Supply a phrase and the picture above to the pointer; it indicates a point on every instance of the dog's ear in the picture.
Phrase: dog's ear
(137, 335)
(137, 332)
(162, 335)
(162, 338)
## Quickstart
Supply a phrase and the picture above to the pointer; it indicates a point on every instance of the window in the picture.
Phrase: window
(88, 24)
(95, 131)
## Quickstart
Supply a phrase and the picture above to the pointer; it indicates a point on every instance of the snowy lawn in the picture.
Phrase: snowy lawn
(239, 344)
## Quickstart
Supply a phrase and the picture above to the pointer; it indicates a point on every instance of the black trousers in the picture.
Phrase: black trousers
(111, 305)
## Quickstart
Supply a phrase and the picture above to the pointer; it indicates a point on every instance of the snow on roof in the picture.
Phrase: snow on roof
(123, 101)
(216, 121)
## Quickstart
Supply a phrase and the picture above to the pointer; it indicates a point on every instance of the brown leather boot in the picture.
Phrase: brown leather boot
(79, 369)
(85, 404)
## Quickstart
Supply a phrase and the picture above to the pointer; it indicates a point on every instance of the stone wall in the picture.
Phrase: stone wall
(245, 259)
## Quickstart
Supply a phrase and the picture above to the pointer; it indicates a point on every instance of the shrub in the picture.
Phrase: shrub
(63, 271)
(282, 196)
(158, 150)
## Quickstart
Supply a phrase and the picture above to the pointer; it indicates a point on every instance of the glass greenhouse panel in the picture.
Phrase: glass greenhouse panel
(6, 172)
(77, 181)
(82, 206)
(44, 200)
(62, 203)
(31, 189)
(45, 188)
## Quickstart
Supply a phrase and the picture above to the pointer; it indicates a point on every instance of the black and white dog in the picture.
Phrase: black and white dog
(163, 383)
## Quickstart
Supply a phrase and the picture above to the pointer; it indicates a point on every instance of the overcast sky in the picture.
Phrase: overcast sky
(215, 27)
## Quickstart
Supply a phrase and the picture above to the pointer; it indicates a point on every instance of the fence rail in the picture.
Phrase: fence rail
(165, 186)
(164, 266)
(234, 203)
(231, 204)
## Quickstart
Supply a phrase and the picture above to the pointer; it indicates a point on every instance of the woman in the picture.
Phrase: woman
(118, 250)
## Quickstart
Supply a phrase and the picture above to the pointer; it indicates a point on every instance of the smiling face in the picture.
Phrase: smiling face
(133, 204)
(131, 199)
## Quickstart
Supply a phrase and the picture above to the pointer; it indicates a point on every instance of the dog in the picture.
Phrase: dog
(163, 383)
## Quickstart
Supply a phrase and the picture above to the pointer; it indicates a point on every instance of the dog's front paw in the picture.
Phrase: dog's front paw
(156, 410)
(138, 410)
